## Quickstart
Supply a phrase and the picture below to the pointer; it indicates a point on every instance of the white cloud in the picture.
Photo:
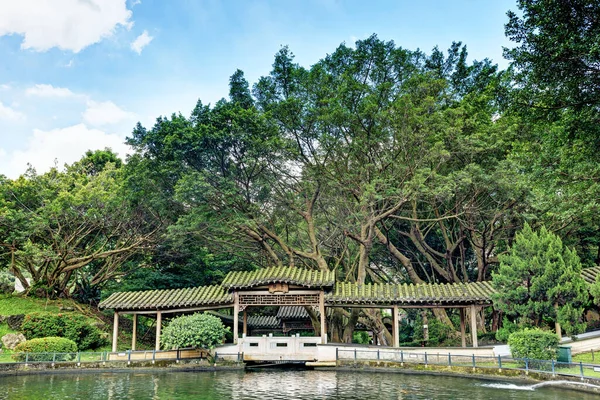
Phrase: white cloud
(65, 145)
(140, 42)
(44, 90)
(66, 24)
(105, 113)
(8, 113)
(4, 86)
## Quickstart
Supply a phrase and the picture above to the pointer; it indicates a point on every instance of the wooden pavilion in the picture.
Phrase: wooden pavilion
(292, 286)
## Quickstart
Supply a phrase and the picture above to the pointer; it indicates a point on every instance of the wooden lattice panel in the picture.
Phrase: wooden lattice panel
(279, 299)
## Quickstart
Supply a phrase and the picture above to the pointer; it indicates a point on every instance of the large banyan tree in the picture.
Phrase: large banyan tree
(383, 164)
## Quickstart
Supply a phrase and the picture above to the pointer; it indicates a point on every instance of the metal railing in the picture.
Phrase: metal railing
(553, 367)
(108, 357)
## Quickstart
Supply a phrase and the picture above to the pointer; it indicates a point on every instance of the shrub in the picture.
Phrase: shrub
(534, 344)
(197, 330)
(439, 333)
(507, 329)
(43, 349)
(75, 327)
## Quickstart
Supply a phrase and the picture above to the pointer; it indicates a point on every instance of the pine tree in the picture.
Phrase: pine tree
(539, 282)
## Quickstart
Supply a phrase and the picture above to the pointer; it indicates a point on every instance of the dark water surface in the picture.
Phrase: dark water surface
(271, 384)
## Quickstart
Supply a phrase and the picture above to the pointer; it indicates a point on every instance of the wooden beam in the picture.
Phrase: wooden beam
(115, 331)
(177, 310)
(158, 327)
(245, 326)
(323, 320)
(236, 311)
(134, 332)
(396, 327)
(474, 325)
(463, 337)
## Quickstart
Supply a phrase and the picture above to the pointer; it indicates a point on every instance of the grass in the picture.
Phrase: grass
(4, 329)
(13, 305)
(591, 357)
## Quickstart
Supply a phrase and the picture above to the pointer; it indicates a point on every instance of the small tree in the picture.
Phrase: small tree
(539, 281)
(197, 330)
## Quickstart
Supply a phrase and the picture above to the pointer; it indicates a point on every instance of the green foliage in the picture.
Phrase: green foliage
(75, 327)
(508, 328)
(197, 331)
(7, 283)
(439, 333)
(534, 344)
(45, 346)
(360, 337)
(76, 224)
(539, 281)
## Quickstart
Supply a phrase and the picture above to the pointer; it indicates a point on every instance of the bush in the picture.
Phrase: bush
(533, 344)
(440, 334)
(75, 327)
(197, 331)
(7, 283)
(43, 349)
(507, 329)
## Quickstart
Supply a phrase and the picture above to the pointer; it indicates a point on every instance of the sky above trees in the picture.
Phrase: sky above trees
(78, 74)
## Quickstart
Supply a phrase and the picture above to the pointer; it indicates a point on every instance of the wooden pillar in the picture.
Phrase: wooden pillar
(115, 331)
(474, 325)
(236, 311)
(158, 326)
(396, 327)
(134, 333)
(323, 320)
(245, 326)
(463, 337)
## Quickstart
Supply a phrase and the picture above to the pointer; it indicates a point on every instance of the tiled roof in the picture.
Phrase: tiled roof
(254, 321)
(405, 294)
(290, 275)
(262, 321)
(168, 299)
(292, 312)
(589, 274)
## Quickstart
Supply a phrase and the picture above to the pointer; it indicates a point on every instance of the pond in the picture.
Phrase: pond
(269, 384)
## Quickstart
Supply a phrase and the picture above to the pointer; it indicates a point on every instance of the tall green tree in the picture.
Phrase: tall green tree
(556, 89)
(72, 227)
(539, 282)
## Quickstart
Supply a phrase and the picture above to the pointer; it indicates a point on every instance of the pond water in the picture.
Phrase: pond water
(268, 384)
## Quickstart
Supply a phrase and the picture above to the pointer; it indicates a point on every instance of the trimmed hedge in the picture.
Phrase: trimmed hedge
(75, 327)
(43, 349)
(534, 344)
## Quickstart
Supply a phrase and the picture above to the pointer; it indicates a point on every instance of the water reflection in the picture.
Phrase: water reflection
(270, 384)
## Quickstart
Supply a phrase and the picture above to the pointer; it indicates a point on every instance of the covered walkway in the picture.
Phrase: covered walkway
(291, 286)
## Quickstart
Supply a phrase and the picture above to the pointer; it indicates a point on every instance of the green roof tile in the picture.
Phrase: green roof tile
(168, 299)
(388, 294)
(290, 275)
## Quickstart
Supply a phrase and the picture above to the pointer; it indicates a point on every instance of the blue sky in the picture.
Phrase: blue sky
(78, 74)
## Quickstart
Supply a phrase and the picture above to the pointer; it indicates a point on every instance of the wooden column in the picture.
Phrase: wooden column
(463, 337)
(474, 325)
(323, 320)
(134, 333)
(158, 326)
(115, 331)
(236, 311)
(245, 326)
(396, 327)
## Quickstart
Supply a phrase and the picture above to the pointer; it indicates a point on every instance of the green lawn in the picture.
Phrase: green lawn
(588, 358)
(12, 305)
